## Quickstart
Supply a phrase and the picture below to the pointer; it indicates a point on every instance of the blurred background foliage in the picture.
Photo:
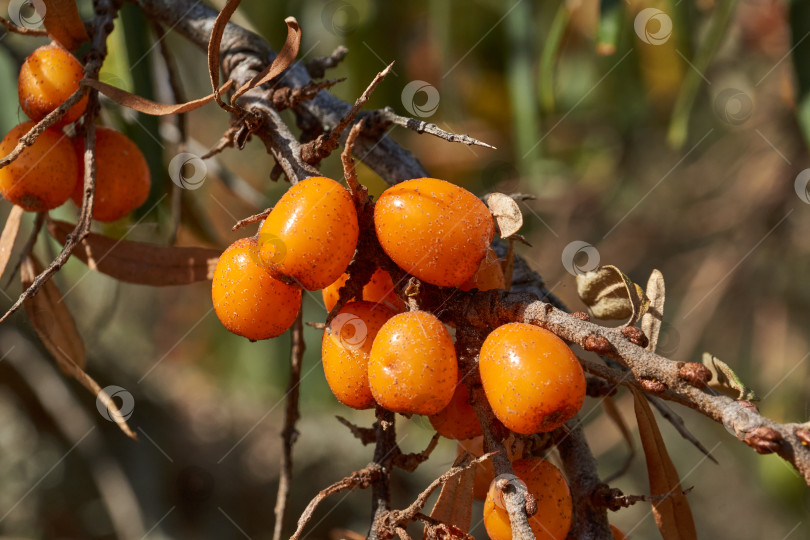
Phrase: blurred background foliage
(679, 156)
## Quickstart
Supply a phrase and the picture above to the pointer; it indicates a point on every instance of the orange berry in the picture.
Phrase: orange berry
(412, 368)
(311, 234)
(532, 380)
(47, 78)
(433, 229)
(43, 175)
(617, 533)
(122, 175)
(554, 506)
(249, 301)
(458, 420)
(346, 347)
(379, 289)
(489, 275)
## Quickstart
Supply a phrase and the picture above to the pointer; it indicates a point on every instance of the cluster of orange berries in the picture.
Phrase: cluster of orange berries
(51, 171)
(375, 352)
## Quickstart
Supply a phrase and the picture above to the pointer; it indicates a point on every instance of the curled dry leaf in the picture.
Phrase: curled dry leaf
(9, 235)
(63, 23)
(52, 320)
(143, 105)
(652, 319)
(611, 295)
(506, 213)
(454, 505)
(139, 262)
(55, 327)
(724, 379)
(672, 513)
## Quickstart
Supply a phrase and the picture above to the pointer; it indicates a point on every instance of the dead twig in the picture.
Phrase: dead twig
(291, 415)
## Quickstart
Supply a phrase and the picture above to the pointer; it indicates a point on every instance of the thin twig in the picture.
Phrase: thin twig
(13, 28)
(255, 218)
(387, 116)
(383, 456)
(318, 66)
(291, 416)
(53, 117)
(315, 151)
(361, 479)
(359, 191)
(365, 435)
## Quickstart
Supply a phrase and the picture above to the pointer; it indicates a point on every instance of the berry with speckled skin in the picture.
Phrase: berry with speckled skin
(311, 234)
(412, 368)
(43, 175)
(554, 506)
(47, 78)
(346, 347)
(433, 229)
(532, 380)
(489, 275)
(458, 420)
(249, 301)
(122, 175)
(380, 288)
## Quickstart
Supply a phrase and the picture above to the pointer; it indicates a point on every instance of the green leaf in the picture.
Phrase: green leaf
(725, 379)
(611, 295)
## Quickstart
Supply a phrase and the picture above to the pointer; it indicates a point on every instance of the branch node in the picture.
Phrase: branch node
(763, 439)
(635, 335)
(597, 344)
(695, 374)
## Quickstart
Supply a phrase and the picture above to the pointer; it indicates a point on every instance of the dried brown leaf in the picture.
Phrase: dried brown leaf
(611, 295)
(283, 60)
(9, 235)
(454, 505)
(52, 320)
(345, 534)
(651, 321)
(724, 379)
(139, 262)
(672, 513)
(63, 23)
(143, 105)
(506, 212)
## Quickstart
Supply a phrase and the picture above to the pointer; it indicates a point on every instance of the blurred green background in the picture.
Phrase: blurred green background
(676, 149)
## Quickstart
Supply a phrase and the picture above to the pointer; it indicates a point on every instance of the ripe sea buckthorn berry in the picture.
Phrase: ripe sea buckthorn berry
(346, 347)
(458, 420)
(43, 175)
(617, 533)
(554, 506)
(249, 301)
(532, 380)
(489, 275)
(379, 289)
(412, 368)
(311, 234)
(122, 175)
(435, 230)
(47, 78)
